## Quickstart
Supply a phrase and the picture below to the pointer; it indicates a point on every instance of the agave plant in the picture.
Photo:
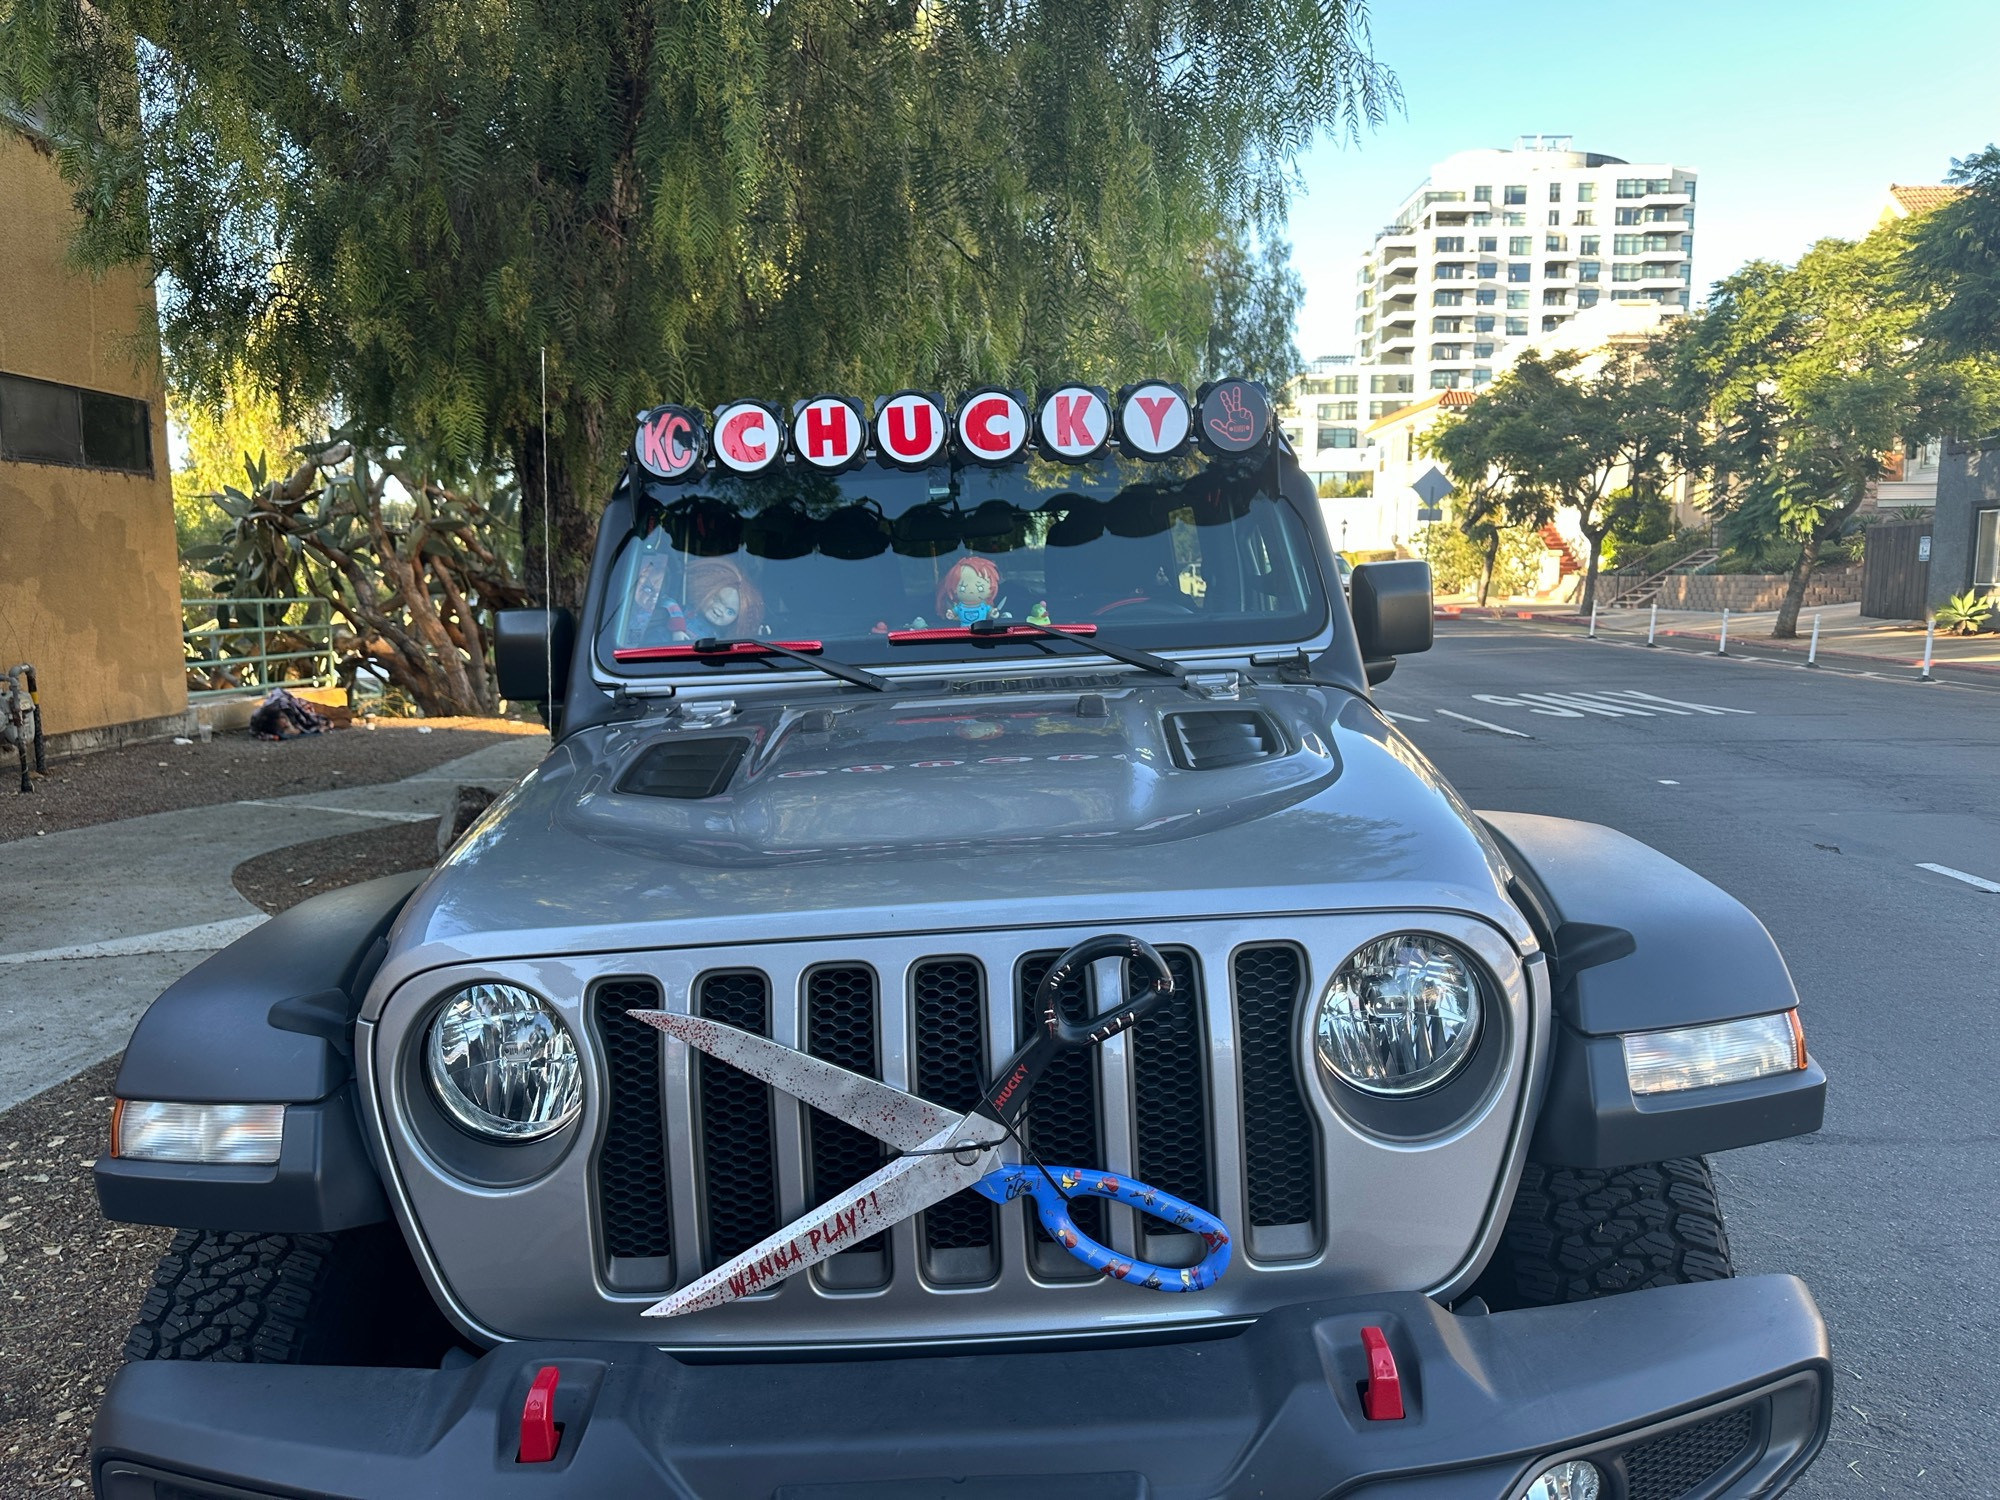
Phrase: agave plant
(1966, 613)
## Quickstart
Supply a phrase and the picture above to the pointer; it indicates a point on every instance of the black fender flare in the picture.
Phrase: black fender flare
(268, 1020)
(1638, 942)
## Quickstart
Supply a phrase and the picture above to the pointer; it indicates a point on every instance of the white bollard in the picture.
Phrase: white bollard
(1812, 650)
(1593, 621)
(1930, 630)
(1722, 646)
(1653, 625)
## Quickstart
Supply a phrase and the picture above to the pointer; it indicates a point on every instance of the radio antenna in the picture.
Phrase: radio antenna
(548, 555)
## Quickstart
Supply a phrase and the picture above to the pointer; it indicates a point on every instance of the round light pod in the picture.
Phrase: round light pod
(502, 1064)
(1400, 1016)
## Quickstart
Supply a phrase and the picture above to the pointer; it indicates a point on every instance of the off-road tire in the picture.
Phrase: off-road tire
(288, 1299)
(1575, 1233)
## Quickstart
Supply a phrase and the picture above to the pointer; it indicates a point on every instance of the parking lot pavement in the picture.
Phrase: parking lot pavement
(96, 921)
(1857, 817)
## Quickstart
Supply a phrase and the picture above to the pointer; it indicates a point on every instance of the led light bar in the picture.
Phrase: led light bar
(214, 1134)
(1696, 1057)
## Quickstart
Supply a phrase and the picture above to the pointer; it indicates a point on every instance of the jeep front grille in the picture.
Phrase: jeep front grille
(1165, 1092)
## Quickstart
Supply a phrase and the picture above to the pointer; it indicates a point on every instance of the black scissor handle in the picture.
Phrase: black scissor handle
(1149, 983)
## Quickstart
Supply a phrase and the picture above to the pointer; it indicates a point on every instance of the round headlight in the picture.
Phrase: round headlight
(1399, 1016)
(502, 1063)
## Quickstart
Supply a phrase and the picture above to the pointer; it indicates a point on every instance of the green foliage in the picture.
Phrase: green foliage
(1354, 487)
(1951, 264)
(392, 211)
(412, 550)
(1458, 561)
(1804, 380)
(1967, 613)
(1547, 437)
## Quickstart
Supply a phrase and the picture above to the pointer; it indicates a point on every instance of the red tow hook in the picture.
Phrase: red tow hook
(1382, 1392)
(539, 1433)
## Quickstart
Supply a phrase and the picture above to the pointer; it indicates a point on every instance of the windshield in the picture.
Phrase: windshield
(1175, 554)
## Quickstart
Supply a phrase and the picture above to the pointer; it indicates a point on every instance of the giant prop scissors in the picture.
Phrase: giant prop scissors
(943, 1151)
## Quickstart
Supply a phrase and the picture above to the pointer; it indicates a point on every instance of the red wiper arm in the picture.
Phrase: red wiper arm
(987, 630)
(808, 652)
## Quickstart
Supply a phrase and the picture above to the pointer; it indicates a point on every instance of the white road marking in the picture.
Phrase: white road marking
(1403, 718)
(1590, 705)
(1496, 728)
(1665, 782)
(1983, 884)
(1654, 698)
(1501, 700)
(197, 939)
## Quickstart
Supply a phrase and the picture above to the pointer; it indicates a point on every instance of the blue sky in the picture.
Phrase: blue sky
(1797, 115)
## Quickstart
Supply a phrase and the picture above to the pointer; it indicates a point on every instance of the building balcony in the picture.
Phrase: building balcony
(1390, 342)
(1392, 359)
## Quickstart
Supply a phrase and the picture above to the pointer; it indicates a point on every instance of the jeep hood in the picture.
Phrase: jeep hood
(993, 804)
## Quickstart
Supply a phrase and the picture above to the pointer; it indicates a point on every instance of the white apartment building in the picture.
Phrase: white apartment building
(1498, 247)
(1324, 413)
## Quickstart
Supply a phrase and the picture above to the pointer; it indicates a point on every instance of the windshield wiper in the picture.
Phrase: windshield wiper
(1081, 635)
(808, 652)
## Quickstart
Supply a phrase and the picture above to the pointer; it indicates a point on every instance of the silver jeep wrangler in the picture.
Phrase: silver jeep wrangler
(854, 739)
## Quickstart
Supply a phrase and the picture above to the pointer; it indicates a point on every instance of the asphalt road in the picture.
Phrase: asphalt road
(1816, 798)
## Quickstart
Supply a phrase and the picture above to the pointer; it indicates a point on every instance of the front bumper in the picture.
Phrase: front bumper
(1712, 1390)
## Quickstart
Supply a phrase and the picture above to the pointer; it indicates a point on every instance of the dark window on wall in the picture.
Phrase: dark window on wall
(1517, 193)
(42, 422)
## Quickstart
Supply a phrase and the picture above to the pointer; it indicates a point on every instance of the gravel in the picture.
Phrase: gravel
(285, 877)
(139, 779)
(69, 1285)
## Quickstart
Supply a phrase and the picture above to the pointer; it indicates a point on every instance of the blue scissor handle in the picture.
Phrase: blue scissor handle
(1017, 1181)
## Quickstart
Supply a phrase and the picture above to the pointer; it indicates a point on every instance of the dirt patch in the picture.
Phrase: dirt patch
(70, 1284)
(139, 779)
(285, 877)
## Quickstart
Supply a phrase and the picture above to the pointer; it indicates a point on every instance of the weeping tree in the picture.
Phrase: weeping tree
(409, 549)
(415, 214)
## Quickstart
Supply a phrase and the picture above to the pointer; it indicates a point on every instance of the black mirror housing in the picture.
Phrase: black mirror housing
(1391, 602)
(526, 643)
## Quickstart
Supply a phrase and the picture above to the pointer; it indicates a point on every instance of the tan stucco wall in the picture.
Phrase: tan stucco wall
(89, 576)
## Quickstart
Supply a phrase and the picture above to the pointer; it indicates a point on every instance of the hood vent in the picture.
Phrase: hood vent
(686, 769)
(1212, 740)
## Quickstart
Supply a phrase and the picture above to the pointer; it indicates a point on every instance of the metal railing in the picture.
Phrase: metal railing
(236, 646)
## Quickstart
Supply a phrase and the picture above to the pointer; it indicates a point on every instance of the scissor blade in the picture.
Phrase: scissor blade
(903, 1120)
(902, 1188)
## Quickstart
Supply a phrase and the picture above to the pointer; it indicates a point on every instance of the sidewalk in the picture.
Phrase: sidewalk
(1844, 636)
(96, 921)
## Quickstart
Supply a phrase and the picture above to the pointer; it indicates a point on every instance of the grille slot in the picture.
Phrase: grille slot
(841, 1027)
(951, 1069)
(1170, 1106)
(689, 770)
(632, 1163)
(1215, 738)
(1062, 1119)
(738, 1170)
(1280, 1163)
(1670, 1466)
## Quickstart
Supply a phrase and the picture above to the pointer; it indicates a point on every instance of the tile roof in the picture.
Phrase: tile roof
(1922, 197)
(1443, 400)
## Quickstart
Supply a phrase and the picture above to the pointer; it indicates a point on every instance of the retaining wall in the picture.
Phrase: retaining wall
(1751, 592)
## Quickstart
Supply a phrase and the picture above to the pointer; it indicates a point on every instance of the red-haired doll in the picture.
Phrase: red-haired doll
(721, 602)
(969, 591)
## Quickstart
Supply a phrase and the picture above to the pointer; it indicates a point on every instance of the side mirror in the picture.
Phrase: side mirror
(526, 643)
(1391, 602)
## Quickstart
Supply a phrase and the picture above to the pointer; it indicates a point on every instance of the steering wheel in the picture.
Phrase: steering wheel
(1144, 609)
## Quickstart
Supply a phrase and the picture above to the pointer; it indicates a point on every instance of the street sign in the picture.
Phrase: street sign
(1430, 513)
(1432, 486)
(1923, 549)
